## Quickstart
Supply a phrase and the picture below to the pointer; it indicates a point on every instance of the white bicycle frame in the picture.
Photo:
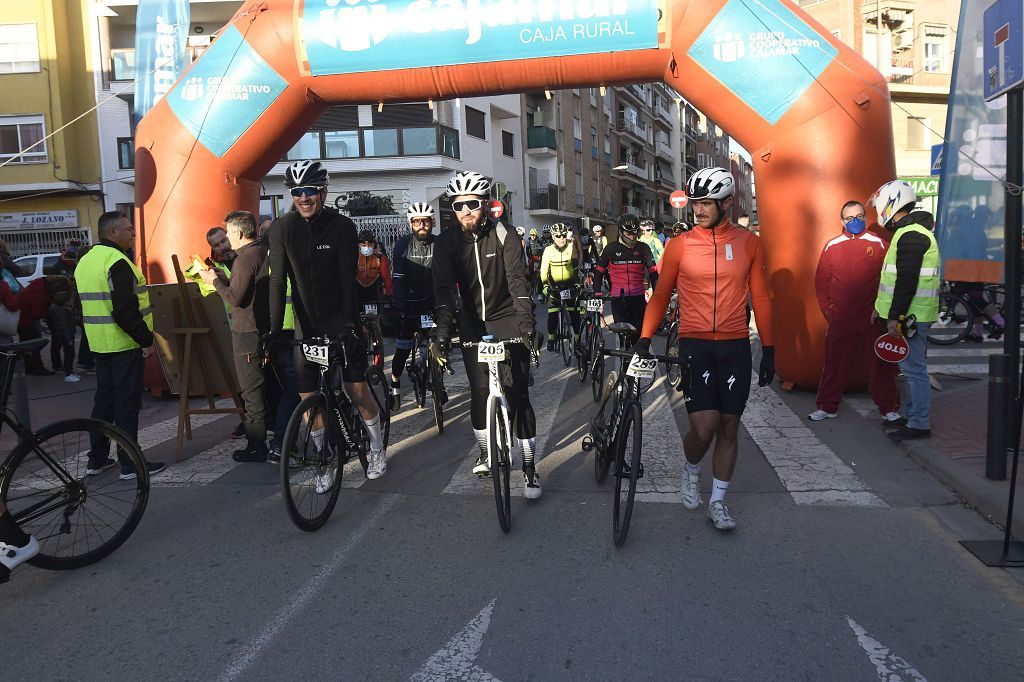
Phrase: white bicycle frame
(497, 395)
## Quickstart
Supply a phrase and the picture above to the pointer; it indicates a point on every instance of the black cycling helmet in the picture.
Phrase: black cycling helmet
(366, 236)
(306, 174)
(681, 227)
(629, 224)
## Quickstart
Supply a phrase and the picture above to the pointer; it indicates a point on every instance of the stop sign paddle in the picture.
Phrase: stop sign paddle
(497, 209)
(678, 199)
(892, 348)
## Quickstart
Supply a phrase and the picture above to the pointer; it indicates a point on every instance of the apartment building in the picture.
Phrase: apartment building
(911, 42)
(743, 177)
(49, 186)
(704, 145)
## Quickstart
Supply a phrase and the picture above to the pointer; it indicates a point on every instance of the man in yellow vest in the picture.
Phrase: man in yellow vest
(909, 287)
(118, 322)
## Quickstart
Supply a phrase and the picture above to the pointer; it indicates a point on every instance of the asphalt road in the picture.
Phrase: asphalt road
(845, 565)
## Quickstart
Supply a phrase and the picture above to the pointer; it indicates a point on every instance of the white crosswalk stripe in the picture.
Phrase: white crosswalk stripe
(962, 358)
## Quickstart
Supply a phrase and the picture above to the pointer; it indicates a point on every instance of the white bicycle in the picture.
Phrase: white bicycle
(500, 442)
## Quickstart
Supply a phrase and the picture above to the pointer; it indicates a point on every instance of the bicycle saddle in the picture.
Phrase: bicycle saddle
(622, 328)
(24, 347)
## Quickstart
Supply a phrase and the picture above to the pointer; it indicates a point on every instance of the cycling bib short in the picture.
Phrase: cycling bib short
(719, 374)
(629, 309)
(307, 374)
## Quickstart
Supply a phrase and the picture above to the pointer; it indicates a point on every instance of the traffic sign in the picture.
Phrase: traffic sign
(892, 348)
(678, 199)
(936, 159)
(497, 209)
(1003, 47)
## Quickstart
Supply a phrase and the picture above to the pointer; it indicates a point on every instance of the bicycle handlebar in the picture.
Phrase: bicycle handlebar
(667, 359)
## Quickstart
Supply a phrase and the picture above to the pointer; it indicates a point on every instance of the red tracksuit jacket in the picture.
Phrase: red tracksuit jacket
(846, 280)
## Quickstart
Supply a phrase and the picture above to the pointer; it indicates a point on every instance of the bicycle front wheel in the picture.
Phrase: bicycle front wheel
(311, 464)
(954, 323)
(437, 395)
(565, 336)
(499, 442)
(627, 471)
(77, 519)
(605, 450)
(597, 369)
(582, 358)
(672, 350)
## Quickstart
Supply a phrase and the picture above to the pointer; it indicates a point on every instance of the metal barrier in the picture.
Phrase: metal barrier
(32, 242)
(387, 229)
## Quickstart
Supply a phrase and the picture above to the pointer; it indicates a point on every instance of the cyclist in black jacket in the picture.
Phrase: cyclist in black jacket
(316, 247)
(483, 262)
(414, 286)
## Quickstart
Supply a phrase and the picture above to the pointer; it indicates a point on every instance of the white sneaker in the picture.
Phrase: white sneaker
(531, 484)
(12, 556)
(72, 379)
(718, 514)
(892, 417)
(482, 467)
(378, 464)
(822, 415)
(689, 489)
(324, 481)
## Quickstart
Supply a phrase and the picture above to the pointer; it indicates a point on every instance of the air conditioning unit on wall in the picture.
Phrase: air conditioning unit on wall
(902, 40)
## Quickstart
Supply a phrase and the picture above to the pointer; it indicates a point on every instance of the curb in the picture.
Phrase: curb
(989, 498)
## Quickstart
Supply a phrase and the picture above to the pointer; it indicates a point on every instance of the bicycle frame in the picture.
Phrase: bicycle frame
(352, 431)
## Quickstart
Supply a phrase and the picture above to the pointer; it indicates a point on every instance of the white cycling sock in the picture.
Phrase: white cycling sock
(718, 490)
(318, 438)
(373, 428)
(692, 468)
(481, 440)
(529, 446)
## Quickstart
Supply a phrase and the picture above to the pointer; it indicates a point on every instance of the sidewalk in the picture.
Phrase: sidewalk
(955, 454)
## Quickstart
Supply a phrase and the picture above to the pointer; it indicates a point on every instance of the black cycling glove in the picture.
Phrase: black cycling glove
(642, 347)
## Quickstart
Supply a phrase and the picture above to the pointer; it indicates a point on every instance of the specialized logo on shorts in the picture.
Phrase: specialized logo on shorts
(707, 376)
(731, 381)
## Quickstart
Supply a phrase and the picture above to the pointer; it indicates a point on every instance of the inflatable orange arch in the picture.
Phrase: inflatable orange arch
(813, 113)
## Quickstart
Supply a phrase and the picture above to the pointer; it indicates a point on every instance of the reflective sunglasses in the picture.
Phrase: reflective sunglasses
(305, 191)
(471, 204)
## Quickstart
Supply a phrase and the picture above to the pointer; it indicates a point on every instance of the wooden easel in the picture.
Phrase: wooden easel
(193, 330)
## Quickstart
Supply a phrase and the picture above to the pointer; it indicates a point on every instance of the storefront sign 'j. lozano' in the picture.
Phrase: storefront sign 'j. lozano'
(353, 36)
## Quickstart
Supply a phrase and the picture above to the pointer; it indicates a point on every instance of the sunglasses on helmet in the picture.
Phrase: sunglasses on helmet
(471, 204)
(305, 191)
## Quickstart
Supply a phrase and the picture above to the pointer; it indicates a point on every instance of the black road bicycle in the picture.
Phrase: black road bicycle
(375, 373)
(425, 373)
(77, 519)
(958, 310)
(590, 329)
(564, 331)
(616, 432)
(324, 432)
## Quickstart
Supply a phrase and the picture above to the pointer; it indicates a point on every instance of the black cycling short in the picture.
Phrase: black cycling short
(307, 374)
(514, 374)
(409, 322)
(629, 309)
(719, 377)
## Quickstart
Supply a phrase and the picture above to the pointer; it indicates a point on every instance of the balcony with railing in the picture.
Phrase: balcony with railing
(902, 72)
(664, 178)
(663, 114)
(541, 141)
(542, 198)
(664, 148)
(377, 142)
(635, 127)
(693, 132)
(635, 165)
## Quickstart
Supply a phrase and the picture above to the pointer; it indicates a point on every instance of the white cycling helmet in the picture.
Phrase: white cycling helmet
(468, 182)
(419, 209)
(559, 230)
(521, 231)
(710, 183)
(306, 173)
(891, 198)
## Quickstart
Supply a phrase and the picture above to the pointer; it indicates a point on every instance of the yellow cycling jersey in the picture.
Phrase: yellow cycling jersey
(558, 265)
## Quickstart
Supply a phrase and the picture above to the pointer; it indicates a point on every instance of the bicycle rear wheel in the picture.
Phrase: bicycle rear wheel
(420, 383)
(77, 519)
(565, 336)
(628, 447)
(437, 395)
(381, 396)
(499, 451)
(955, 320)
(672, 350)
(311, 464)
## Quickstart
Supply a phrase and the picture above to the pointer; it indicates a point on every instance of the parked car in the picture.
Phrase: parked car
(32, 268)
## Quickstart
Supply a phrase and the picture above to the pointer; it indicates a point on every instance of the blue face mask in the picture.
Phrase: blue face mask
(856, 226)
